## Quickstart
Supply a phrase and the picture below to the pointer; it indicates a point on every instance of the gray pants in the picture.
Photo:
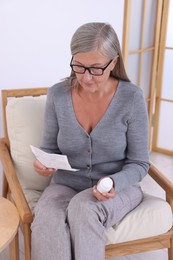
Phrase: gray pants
(70, 225)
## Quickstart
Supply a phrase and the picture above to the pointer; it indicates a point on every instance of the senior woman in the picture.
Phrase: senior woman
(98, 118)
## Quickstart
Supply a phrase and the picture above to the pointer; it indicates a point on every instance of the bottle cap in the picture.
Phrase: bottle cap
(105, 185)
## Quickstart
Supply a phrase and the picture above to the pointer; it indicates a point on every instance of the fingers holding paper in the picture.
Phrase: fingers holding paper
(42, 170)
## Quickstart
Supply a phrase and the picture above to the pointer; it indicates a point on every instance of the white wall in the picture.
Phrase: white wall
(35, 38)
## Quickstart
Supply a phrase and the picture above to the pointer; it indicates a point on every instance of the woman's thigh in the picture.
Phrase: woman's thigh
(54, 198)
(124, 202)
(109, 212)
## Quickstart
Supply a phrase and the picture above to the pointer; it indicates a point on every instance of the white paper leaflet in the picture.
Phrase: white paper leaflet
(49, 160)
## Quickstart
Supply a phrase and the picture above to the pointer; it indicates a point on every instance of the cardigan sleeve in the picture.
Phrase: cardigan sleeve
(51, 128)
(136, 164)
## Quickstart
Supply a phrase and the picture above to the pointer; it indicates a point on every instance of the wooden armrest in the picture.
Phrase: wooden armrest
(161, 179)
(164, 182)
(13, 182)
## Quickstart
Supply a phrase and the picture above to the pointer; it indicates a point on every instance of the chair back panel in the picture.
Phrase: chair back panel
(24, 118)
(9, 93)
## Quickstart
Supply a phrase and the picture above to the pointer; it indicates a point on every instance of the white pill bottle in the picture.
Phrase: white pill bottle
(105, 185)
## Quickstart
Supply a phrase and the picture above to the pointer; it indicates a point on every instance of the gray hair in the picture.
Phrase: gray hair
(103, 38)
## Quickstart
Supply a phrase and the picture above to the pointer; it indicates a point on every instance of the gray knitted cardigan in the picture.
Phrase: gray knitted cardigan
(116, 147)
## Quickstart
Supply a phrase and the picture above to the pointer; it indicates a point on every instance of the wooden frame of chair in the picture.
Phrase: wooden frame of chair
(13, 191)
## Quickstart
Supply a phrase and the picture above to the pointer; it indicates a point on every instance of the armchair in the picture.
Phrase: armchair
(147, 227)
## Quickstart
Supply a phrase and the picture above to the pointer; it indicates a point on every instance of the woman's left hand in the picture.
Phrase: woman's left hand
(103, 196)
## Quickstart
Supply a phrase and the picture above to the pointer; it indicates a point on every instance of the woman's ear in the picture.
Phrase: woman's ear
(114, 62)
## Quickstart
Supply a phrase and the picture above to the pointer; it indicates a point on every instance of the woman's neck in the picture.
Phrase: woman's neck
(98, 95)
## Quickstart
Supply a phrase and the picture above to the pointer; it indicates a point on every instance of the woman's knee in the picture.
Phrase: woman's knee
(81, 207)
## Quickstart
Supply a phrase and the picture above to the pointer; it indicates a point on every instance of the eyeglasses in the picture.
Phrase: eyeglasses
(95, 71)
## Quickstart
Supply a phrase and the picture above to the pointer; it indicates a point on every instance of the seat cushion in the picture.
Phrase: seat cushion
(152, 217)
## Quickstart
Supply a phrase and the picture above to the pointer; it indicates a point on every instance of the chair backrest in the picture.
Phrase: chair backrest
(23, 123)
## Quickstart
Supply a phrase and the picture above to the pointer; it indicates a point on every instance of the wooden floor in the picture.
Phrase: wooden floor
(165, 164)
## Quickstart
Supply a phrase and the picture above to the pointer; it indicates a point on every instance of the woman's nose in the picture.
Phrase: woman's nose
(87, 76)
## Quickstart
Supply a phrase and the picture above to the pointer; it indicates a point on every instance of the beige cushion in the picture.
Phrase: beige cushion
(152, 217)
(25, 122)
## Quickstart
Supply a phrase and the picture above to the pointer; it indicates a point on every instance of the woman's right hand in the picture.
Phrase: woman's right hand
(42, 170)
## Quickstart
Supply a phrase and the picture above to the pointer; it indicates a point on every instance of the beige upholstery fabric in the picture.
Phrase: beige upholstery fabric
(152, 217)
(25, 122)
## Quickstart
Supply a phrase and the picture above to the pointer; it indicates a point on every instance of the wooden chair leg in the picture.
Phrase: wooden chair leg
(4, 186)
(170, 250)
(14, 248)
(27, 241)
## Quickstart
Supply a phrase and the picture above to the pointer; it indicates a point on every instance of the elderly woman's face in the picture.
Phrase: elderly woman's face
(92, 60)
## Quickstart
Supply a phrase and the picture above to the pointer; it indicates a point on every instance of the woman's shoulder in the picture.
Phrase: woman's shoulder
(129, 87)
(129, 93)
(59, 89)
(129, 90)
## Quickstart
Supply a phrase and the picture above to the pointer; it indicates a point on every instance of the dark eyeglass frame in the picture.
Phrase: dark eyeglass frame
(89, 68)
